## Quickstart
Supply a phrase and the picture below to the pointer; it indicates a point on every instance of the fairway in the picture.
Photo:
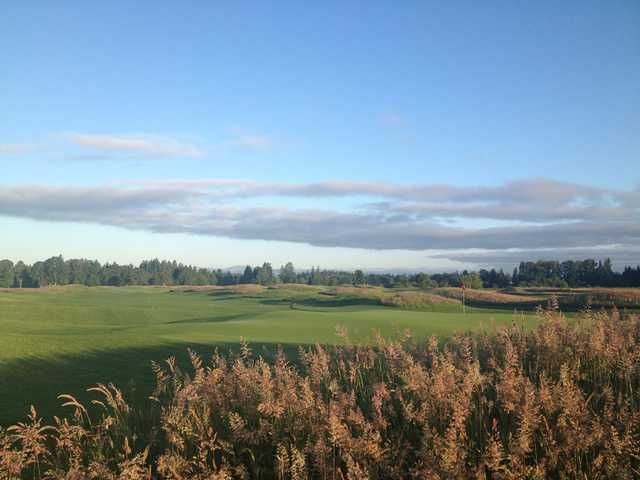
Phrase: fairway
(65, 339)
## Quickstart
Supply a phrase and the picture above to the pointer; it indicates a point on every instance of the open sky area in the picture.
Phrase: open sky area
(376, 135)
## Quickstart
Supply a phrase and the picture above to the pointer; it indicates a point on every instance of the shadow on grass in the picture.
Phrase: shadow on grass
(222, 293)
(510, 306)
(217, 319)
(218, 297)
(38, 381)
(566, 304)
(320, 302)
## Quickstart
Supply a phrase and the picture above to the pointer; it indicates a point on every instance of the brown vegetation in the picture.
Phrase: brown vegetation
(562, 401)
(572, 298)
(303, 287)
(490, 297)
(364, 290)
(602, 297)
(415, 299)
(393, 298)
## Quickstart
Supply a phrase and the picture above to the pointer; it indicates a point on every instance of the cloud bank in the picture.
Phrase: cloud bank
(621, 256)
(536, 215)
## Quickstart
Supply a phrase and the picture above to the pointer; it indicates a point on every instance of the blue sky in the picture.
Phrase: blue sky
(116, 100)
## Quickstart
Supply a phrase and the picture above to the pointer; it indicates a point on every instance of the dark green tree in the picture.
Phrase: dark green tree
(6, 273)
(288, 273)
(358, 277)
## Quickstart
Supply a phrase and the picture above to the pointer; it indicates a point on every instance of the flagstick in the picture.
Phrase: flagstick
(464, 311)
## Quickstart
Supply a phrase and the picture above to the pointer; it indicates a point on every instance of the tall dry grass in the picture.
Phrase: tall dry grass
(415, 299)
(561, 401)
(490, 297)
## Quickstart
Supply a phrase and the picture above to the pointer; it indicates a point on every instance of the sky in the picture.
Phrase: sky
(377, 135)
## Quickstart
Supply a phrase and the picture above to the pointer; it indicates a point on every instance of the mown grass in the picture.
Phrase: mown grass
(67, 338)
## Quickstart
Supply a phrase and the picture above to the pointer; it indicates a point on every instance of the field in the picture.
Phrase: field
(65, 339)
(548, 396)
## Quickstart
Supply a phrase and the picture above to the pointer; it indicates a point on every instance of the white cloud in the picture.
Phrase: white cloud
(142, 144)
(254, 142)
(16, 147)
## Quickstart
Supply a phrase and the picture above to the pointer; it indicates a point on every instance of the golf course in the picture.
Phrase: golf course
(66, 339)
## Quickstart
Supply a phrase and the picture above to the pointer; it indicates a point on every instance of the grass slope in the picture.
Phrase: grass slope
(65, 339)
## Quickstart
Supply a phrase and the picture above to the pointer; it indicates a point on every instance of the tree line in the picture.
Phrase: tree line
(575, 273)
(58, 271)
